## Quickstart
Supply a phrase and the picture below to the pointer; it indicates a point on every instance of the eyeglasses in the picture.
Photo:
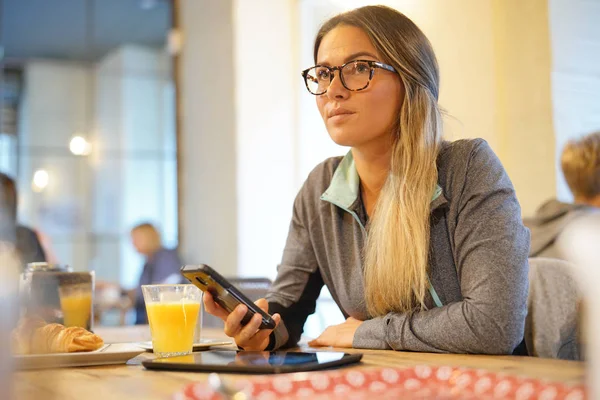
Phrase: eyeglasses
(355, 75)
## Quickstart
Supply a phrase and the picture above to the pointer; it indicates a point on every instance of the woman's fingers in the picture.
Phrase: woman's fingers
(323, 339)
(263, 304)
(213, 308)
(260, 340)
(251, 338)
(247, 333)
(233, 323)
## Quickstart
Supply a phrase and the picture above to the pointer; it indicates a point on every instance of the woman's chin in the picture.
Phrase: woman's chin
(343, 138)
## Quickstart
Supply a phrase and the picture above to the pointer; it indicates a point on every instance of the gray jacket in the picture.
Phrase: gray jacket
(478, 263)
(552, 327)
(549, 222)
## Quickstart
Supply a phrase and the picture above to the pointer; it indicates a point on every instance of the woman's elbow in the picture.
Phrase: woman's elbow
(504, 346)
(502, 340)
(499, 334)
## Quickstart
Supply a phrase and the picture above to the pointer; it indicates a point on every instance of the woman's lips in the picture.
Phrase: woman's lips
(339, 115)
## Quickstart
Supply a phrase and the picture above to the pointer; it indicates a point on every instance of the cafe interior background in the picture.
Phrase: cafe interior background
(191, 114)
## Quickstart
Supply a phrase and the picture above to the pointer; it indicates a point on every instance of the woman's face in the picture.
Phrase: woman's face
(368, 116)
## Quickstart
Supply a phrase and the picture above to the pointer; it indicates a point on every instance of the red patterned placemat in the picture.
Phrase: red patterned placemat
(420, 382)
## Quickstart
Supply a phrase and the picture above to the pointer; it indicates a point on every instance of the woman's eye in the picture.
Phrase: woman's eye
(361, 68)
(323, 74)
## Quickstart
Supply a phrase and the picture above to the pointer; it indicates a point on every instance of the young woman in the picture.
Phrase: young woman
(419, 241)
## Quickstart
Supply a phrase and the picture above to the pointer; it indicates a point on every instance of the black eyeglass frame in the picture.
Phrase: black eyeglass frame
(372, 65)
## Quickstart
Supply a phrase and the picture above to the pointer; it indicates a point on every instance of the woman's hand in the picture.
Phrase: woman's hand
(248, 337)
(340, 335)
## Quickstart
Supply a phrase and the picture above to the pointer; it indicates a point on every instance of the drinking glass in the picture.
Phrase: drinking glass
(173, 312)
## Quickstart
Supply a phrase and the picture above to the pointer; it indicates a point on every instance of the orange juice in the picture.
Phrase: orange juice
(77, 309)
(172, 326)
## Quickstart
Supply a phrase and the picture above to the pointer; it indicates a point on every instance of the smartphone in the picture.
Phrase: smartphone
(224, 293)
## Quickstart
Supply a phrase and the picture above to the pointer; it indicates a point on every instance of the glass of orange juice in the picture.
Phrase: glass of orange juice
(173, 312)
(76, 304)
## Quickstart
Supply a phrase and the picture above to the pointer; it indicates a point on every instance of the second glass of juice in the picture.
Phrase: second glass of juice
(173, 312)
(76, 304)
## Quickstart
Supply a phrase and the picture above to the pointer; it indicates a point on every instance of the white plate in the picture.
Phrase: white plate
(203, 345)
(116, 353)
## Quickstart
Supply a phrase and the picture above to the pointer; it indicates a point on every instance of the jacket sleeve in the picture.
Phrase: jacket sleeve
(490, 250)
(298, 283)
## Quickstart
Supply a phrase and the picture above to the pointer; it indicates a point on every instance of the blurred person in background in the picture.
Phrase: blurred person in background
(27, 241)
(161, 265)
(10, 267)
(580, 163)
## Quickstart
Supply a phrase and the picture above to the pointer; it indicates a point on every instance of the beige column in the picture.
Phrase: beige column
(207, 150)
(523, 118)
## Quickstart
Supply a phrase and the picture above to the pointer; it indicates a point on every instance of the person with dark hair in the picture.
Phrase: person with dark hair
(27, 241)
(419, 240)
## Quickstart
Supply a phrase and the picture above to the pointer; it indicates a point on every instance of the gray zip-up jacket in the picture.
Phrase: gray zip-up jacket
(478, 259)
(548, 224)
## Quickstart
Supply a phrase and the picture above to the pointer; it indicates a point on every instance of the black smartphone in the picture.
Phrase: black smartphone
(224, 293)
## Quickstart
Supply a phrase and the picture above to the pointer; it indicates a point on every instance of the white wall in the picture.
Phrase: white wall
(266, 130)
(575, 34)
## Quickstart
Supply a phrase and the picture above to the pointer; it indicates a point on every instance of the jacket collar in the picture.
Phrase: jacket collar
(344, 189)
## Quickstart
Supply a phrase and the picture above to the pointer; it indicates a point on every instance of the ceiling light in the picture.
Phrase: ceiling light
(40, 180)
(79, 146)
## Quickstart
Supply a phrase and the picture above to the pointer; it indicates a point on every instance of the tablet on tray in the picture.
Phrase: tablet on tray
(260, 362)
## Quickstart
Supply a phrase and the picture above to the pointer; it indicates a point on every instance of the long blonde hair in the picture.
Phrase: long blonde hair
(397, 249)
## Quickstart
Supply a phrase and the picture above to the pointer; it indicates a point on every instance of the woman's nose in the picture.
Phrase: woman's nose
(336, 89)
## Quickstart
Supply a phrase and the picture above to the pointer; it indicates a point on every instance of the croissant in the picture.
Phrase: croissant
(32, 338)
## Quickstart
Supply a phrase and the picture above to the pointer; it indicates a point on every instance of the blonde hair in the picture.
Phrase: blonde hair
(152, 240)
(397, 248)
(580, 162)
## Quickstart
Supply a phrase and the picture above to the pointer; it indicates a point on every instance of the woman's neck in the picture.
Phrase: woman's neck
(373, 169)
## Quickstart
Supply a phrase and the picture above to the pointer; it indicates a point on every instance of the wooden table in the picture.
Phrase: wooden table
(132, 381)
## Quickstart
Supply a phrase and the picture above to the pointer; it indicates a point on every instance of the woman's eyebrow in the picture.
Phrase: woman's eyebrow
(352, 56)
